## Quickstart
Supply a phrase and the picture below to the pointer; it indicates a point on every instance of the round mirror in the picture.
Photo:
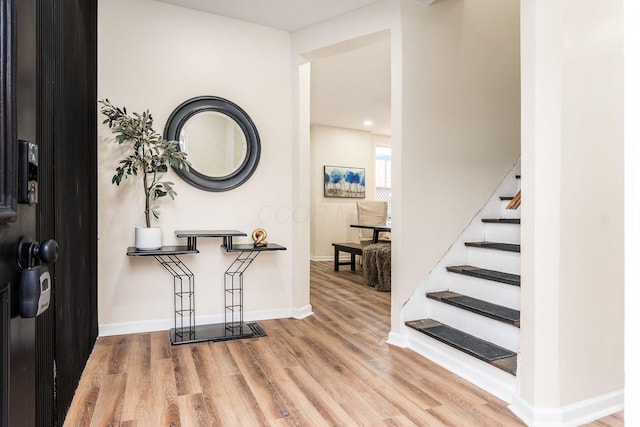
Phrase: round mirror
(214, 143)
(220, 139)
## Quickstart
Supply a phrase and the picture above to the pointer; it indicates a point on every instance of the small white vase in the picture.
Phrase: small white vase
(148, 238)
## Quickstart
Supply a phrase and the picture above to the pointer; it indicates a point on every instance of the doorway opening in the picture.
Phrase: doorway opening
(349, 128)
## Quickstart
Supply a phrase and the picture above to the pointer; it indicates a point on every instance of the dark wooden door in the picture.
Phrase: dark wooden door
(18, 121)
(48, 97)
(68, 54)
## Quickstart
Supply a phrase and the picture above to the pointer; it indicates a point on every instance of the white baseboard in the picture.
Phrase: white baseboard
(343, 258)
(487, 377)
(302, 312)
(397, 340)
(576, 414)
(323, 258)
(108, 329)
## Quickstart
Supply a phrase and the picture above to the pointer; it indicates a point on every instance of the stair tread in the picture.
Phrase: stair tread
(478, 306)
(508, 364)
(473, 346)
(483, 273)
(501, 220)
(506, 197)
(509, 247)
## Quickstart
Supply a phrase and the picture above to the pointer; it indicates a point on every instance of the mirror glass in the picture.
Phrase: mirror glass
(220, 139)
(214, 142)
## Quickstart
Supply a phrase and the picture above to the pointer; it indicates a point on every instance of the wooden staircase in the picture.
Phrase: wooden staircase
(476, 309)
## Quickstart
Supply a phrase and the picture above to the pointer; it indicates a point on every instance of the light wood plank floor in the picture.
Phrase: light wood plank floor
(330, 369)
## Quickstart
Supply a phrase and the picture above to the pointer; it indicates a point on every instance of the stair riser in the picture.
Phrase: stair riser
(484, 375)
(487, 290)
(502, 334)
(504, 233)
(510, 186)
(508, 213)
(508, 262)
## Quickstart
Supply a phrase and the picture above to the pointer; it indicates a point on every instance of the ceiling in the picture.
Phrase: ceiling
(347, 87)
(288, 15)
(351, 87)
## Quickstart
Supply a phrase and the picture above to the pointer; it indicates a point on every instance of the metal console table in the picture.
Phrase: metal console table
(234, 324)
(184, 326)
(234, 327)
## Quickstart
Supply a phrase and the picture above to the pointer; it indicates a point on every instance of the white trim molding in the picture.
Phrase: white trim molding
(343, 258)
(323, 258)
(576, 414)
(487, 377)
(397, 340)
(302, 312)
(151, 325)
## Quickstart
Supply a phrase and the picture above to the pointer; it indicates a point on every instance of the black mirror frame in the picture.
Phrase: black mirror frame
(199, 104)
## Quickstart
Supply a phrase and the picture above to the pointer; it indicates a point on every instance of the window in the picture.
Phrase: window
(383, 177)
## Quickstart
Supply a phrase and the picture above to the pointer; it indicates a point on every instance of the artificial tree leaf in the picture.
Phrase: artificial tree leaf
(149, 152)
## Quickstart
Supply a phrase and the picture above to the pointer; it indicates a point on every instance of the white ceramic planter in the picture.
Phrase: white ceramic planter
(148, 238)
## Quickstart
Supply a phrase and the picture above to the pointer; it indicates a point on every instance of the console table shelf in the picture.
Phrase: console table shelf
(234, 326)
(192, 236)
(248, 247)
(165, 250)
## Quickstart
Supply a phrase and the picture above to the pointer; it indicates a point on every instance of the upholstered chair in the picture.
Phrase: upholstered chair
(372, 212)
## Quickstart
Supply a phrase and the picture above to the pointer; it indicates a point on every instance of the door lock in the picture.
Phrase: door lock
(34, 290)
(27, 173)
(30, 251)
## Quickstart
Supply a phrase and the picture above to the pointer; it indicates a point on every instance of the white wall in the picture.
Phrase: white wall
(301, 87)
(632, 209)
(572, 218)
(460, 127)
(331, 217)
(366, 21)
(155, 55)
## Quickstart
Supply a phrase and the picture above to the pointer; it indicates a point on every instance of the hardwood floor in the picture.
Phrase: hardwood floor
(330, 369)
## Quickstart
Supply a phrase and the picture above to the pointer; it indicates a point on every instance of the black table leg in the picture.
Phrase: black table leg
(184, 315)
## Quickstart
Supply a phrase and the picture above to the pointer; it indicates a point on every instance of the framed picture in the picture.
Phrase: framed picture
(342, 181)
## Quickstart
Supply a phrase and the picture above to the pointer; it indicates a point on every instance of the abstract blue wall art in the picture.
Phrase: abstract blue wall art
(342, 181)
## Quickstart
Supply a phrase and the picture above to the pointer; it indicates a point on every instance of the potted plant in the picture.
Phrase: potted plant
(148, 157)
